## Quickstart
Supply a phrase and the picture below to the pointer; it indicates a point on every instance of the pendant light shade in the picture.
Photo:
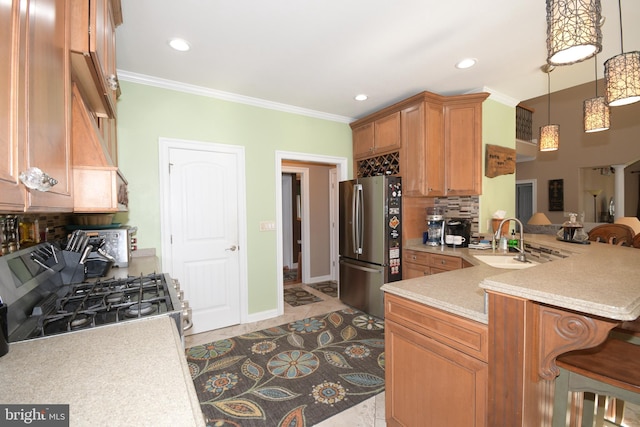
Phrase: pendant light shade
(549, 137)
(549, 134)
(622, 74)
(622, 79)
(596, 114)
(573, 30)
(595, 110)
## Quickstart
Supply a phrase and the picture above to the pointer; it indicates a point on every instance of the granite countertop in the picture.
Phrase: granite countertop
(597, 279)
(125, 374)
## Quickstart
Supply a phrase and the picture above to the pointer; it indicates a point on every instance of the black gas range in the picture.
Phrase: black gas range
(40, 305)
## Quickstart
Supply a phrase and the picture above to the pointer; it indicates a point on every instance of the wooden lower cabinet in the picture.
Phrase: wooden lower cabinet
(418, 264)
(436, 367)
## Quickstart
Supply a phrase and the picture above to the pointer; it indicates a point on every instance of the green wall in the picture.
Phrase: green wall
(498, 128)
(147, 113)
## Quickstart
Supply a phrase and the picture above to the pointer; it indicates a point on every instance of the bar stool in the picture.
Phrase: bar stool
(611, 369)
(614, 234)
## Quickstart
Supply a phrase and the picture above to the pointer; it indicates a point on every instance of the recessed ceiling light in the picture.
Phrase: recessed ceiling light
(361, 97)
(466, 63)
(179, 44)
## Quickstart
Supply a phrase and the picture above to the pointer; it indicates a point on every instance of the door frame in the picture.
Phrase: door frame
(341, 170)
(165, 145)
(534, 192)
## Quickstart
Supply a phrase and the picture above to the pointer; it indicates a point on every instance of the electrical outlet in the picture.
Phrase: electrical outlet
(267, 225)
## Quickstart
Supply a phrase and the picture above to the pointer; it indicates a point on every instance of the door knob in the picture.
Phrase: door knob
(232, 248)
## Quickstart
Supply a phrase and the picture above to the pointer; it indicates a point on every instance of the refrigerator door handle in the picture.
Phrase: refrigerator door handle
(358, 267)
(357, 219)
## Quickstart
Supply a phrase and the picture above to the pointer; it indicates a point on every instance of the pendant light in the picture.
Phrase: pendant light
(573, 30)
(549, 134)
(596, 110)
(622, 75)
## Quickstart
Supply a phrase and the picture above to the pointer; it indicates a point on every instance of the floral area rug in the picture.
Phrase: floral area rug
(328, 288)
(297, 296)
(296, 374)
(290, 275)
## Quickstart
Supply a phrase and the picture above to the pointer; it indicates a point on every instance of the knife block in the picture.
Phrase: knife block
(73, 272)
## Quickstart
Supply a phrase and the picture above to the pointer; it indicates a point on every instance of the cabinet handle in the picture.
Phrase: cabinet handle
(443, 262)
(35, 179)
(112, 82)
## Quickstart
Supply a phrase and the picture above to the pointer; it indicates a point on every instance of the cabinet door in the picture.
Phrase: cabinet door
(413, 155)
(47, 110)
(363, 141)
(11, 192)
(431, 384)
(463, 151)
(422, 150)
(387, 133)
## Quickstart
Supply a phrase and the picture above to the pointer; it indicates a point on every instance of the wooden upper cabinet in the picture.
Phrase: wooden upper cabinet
(93, 24)
(422, 156)
(11, 191)
(363, 140)
(47, 121)
(463, 145)
(387, 133)
(35, 105)
(377, 137)
(439, 139)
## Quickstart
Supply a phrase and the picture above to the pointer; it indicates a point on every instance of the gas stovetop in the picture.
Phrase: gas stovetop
(41, 305)
(103, 302)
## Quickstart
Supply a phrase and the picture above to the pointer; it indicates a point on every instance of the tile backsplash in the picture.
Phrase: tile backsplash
(461, 207)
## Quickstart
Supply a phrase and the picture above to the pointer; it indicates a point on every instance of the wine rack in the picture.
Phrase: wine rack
(386, 164)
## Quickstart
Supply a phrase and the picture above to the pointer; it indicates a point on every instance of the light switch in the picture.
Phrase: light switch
(267, 225)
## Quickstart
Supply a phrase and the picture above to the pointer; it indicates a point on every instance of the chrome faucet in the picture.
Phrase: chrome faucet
(522, 257)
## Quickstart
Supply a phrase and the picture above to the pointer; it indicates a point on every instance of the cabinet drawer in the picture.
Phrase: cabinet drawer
(454, 331)
(416, 257)
(411, 270)
(444, 262)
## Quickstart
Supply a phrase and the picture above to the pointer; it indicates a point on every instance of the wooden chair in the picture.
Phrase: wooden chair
(613, 234)
(611, 369)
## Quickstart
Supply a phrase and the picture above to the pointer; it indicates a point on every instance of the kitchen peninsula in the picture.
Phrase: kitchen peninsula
(451, 358)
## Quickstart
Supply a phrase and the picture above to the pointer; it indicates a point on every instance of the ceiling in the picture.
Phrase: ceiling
(317, 55)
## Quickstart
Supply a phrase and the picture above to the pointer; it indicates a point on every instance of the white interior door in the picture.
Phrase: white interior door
(205, 250)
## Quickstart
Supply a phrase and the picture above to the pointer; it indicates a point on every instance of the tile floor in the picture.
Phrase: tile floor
(369, 413)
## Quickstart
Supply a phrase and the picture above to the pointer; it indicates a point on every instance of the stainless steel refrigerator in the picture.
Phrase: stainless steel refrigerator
(370, 240)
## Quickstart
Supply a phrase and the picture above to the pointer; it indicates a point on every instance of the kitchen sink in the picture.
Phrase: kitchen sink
(505, 261)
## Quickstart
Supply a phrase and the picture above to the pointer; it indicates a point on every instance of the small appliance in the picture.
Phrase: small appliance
(457, 232)
(435, 227)
(118, 243)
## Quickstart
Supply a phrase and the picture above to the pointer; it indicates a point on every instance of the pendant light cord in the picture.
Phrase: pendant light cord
(620, 12)
(595, 62)
(548, 97)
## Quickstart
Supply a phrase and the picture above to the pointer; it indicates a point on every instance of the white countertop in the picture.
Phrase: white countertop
(597, 279)
(126, 374)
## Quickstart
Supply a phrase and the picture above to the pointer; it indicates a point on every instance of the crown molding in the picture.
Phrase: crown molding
(227, 96)
(499, 97)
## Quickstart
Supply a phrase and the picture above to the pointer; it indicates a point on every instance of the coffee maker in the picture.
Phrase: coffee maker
(435, 227)
(457, 232)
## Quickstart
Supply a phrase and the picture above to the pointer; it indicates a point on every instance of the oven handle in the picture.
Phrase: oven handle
(187, 323)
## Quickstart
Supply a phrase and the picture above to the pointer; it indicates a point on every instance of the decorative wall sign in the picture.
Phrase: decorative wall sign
(499, 161)
(556, 195)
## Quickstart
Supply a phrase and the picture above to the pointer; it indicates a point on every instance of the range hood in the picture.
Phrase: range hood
(98, 184)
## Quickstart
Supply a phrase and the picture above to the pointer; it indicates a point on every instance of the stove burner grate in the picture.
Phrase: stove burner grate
(140, 309)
